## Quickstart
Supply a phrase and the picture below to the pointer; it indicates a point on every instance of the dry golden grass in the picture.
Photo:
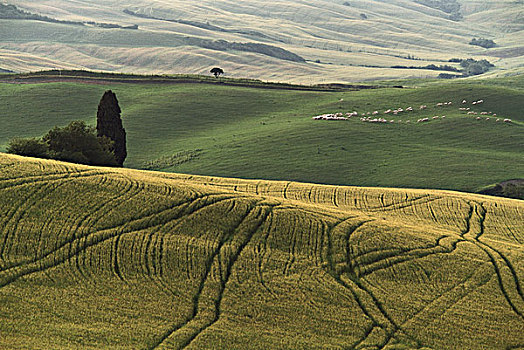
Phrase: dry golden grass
(117, 258)
(348, 47)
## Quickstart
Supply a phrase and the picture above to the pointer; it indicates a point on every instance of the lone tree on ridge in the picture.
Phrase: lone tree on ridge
(217, 71)
(109, 124)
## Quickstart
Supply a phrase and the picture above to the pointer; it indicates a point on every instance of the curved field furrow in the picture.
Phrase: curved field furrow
(509, 285)
(208, 297)
(263, 253)
(66, 250)
(369, 304)
(31, 180)
(131, 259)
(10, 229)
(68, 227)
(355, 278)
(442, 303)
(500, 223)
(384, 261)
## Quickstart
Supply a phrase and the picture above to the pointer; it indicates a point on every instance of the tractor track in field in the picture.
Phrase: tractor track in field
(157, 267)
(215, 258)
(286, 188)
(132, 189)
(31, 180)
(353, 276)
(366, 300)
(14, 219)
(153, 270)
(404, 205)
(261, 249)
(73, 235)
(499, 264)
(410, 255)
(249, 235)
(208, 265)
(9, 217)
(292, 247)
(442, 303)
(8, 276)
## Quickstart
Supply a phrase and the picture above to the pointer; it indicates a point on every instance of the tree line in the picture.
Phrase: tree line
(80, 143)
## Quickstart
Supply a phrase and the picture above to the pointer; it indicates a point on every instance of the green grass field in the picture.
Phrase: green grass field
(109, 258)
(241, 131)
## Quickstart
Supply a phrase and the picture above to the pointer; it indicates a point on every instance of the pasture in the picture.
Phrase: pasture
(253, 132)
(116, 258)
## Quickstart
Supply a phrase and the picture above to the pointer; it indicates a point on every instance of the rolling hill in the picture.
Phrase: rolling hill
(255, 130)
(289, 40)
(116, 258)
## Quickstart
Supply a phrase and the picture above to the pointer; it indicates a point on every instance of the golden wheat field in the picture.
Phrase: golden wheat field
(115, 258)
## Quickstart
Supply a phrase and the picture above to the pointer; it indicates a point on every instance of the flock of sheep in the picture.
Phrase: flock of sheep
(372, 117)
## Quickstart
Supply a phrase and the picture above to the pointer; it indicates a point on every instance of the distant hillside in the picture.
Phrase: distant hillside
(12, 12)
(340, 41)
(114, 258)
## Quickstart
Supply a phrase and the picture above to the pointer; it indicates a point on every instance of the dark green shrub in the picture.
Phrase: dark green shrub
(78, 143)
(485, 43)
(32, 147)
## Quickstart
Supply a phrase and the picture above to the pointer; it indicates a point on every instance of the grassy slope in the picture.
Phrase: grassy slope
(348, 47)
(117, 258)
(261, 133)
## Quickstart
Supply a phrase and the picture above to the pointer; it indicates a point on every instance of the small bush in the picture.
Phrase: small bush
(485, 43)
(32, 147)
(78, 143)
(474, 67)
(448, 76)
(75, 143)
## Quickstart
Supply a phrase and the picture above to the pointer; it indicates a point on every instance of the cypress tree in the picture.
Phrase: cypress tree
(109, 124)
